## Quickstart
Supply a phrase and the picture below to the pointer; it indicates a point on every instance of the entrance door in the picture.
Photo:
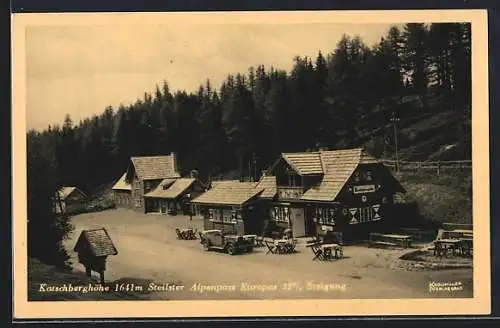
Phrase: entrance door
(297, 219)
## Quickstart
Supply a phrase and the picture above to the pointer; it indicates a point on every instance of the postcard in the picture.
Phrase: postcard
(235, 164)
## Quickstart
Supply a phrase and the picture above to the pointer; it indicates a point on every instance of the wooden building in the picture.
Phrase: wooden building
(93, 248)
(122, 192)
(340, 190)
(70, 200)
(145, 174)
(174, 196)
(233, 207)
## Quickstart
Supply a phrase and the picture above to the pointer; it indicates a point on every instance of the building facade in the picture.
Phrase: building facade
(144, 174)
(341, 190)
(233, 207)
(122, 192)
(173, 196)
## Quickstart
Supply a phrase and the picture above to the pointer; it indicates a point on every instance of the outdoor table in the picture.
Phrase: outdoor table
(405, 240)
(328, 248)
(464, 231)
(259, 241)
(466, 246)
(445, 245)
(284, 245)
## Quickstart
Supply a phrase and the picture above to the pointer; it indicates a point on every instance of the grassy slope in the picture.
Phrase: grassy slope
(443, 198)
(434, 134)
(40, 273)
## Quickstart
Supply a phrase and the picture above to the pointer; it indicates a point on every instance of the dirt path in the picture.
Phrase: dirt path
(149, 252)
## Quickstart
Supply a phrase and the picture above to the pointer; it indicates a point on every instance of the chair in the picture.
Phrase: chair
(180, 235)
(271, 248)
(318, 252)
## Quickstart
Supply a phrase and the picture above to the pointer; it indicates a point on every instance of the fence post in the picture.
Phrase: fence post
(438, 165)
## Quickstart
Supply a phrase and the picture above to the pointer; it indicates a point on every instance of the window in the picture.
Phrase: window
(368, 176)
(281, 214)
(325, 215)
(224, 216)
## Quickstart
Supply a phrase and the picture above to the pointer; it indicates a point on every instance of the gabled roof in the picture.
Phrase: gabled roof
(173, 190)
(155, 167)
(229, 193)
(338, 166)
(223, 183)
(65, 192)
(268, 182)
(306, 163)
(122, 184)
(98, 241)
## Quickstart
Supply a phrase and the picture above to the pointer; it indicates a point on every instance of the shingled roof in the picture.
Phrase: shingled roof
(64, 192)
(155, 167)
(173, 190)
(98, 241)
(338, 166)
(307, 163)
(229, 193)
(122, 184)
(268, 182)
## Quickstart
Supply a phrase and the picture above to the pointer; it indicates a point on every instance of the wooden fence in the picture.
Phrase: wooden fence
(438, 166)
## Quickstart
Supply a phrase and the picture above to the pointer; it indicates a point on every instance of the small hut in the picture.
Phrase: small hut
(70, 200)
(93, 248)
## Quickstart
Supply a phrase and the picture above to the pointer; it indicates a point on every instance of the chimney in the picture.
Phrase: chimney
(175, 168)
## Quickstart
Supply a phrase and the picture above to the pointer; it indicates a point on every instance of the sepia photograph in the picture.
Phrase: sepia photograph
(251, 159)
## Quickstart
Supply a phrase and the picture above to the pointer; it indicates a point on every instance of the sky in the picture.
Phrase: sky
(80, 69)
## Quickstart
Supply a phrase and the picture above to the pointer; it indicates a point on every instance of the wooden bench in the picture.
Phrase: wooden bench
(419, 234)
(377, 239)
(391, 240)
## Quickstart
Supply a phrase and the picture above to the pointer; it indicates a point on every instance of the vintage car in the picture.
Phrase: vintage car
(232, 244)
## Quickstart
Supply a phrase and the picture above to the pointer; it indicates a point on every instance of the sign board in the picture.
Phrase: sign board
(363, 189)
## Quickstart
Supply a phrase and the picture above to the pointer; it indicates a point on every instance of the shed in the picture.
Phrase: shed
(122, 192)
(93, 248)
(70, 200)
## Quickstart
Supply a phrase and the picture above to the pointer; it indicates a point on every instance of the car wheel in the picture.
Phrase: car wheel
(231, 250)
(249, 249)
(205, 245)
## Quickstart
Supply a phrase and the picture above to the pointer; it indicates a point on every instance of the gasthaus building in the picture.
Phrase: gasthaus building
(144, 174)
(332, 190)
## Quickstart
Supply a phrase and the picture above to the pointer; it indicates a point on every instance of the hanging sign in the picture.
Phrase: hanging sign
(364, 189)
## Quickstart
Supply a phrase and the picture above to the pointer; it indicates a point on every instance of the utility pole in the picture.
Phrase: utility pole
(394, 121)
(466, 128)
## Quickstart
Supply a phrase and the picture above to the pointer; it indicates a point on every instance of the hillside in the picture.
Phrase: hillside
(41, 274)
(435, 133)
